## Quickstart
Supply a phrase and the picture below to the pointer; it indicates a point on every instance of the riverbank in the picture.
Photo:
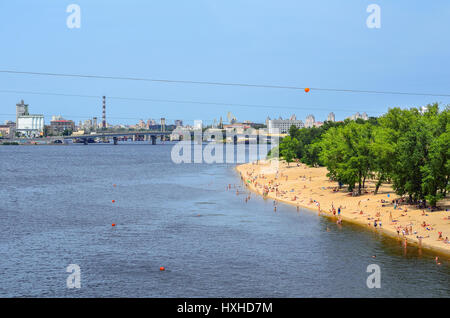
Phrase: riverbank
(310, 188)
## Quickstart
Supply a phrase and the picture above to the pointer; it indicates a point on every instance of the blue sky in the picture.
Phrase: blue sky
(293, 43)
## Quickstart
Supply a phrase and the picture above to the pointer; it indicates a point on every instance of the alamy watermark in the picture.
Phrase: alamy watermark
(374, 19)
(74, 279)
(73, 21)
(374, 279)
(224, 146)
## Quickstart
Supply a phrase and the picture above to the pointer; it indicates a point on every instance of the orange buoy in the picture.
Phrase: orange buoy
(306, 90)
(114, 185)
(162, 269)
(113, 201)
(114, 224)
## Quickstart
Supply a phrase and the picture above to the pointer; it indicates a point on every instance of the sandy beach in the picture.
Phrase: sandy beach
(310, 188)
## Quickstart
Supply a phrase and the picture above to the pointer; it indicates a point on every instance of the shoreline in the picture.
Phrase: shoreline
(298, 186)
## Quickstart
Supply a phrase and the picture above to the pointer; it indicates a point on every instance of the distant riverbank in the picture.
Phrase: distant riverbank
(310, 188)
(31, 144)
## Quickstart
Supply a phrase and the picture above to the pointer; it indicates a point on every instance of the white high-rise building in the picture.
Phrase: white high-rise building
(310, 120)
(331, 117)
(357, 115)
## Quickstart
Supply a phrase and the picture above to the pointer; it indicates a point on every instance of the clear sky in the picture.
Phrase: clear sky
(322, 43)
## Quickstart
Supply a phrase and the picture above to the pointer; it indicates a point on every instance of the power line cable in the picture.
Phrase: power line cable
(221, 83)
(178, 101)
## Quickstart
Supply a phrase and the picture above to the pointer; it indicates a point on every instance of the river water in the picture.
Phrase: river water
(56, 209)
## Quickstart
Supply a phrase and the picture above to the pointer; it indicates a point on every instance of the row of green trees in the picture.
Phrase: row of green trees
(406, 147)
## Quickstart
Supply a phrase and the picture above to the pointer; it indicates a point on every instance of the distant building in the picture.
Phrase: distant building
(331, 117)
(6, 131)
(58, 125)
(87, 125)
(198, 124)
(310, 120)
(231, 118)
(237, 127)
(357, 115)
(141, 124)
(26, 124)
(178, 123)
(282, 125)
(317, 124)
(21, 110)
(94, 123)
(30, 125)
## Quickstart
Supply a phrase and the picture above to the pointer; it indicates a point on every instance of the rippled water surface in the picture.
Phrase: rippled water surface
(56, 209)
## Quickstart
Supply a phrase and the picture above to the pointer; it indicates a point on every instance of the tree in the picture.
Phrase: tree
(420, 167)
(346, 153)
(47, 131)
(287, 148)
(408, 147)
(382, 152)
(436, 169)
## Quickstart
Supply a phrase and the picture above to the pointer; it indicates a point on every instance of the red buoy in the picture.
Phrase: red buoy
(113, 201)
(306, 90)
(162, 269)
(114, 224)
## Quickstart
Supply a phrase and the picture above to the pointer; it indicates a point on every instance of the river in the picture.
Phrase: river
(56, 209)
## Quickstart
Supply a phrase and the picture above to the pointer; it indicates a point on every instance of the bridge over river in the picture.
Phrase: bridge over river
(150, 135)
(153, 136)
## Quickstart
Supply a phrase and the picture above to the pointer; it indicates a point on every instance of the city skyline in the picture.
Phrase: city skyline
(93, 123)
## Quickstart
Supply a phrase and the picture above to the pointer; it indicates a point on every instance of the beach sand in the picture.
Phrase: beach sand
(307, 187)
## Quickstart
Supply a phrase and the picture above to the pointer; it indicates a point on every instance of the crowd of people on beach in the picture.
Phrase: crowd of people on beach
(275, 184)
(263, 185)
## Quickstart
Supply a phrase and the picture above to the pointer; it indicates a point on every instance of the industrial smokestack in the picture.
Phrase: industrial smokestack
(104, 113)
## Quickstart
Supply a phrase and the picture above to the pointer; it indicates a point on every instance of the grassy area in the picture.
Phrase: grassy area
(9, 143)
